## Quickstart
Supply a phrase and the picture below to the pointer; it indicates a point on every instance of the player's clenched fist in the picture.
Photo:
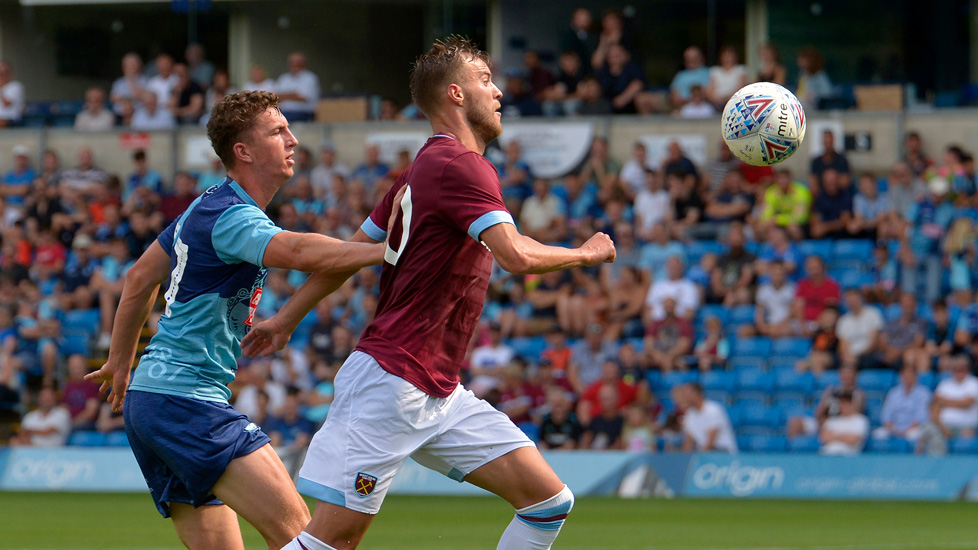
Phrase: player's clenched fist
(598, 249)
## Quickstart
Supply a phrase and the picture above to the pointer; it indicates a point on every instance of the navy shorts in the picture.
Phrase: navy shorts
(184, 445)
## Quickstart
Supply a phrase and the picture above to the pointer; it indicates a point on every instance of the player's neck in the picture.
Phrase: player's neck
(261, 194)
(460, 131)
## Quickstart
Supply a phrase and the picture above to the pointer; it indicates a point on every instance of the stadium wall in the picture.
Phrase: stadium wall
(870, 477)
(187, 148)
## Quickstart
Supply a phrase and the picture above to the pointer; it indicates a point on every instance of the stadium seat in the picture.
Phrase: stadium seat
(826, 379)
(719, 380)
(755, 380)
(791, 404)
(654, 379)
(803, 444)
(712, 310)
(74, 341)
(759, 347)
(741, 315)
(677, 378)
(851, 278)
(891, 312)
(880, 380)
(790, 380)
(820, 248)
(723, 397)
(759, 443)
(791, 347)
(755, 413)
(964, 445)
(874, 410)
(852, 249)
(117, 438)
(86, 438)
(530, 429)
(528, 348)
(83, 319)
(697, 249)
(751, 362)
(926, 380)
(888, 446)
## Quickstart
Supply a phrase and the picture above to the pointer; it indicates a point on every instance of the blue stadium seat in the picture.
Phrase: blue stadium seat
(719, 380)
(880, 380)
(84, 319)
(676, 378)
(821, 248)
(927, 380)
(758, 347)
(749, 362)
(528, 348)
(74, 341)
(740, 315)
(888, 446)
(791, 404)
(792, 347)
(964, 446)
(759, 443)
(851, 278)
(117, 438)
(826, 379)
(530, 429)
(86, 438)
(723, 397)
(755, 380)
(874, 410)
(891, 312)
(852, 249)
(793, 381)
(803, 444)
(654, 378)
(712, 310)
(755, 413)
(697, 249)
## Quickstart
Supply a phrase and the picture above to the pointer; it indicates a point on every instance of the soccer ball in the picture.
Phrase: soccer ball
(763, 124)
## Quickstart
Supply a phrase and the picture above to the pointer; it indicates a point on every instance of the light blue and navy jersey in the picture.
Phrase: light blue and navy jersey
(216, 275)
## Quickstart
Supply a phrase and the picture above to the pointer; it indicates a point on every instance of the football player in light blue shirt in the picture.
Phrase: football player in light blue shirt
(205, 462)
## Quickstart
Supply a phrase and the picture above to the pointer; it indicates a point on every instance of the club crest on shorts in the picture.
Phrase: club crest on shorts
(364, 484)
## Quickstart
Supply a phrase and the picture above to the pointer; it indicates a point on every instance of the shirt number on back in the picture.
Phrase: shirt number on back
(390, 255)
(181, 251)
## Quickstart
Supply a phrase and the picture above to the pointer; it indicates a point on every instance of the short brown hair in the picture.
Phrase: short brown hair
(435, 69)
(233, 117)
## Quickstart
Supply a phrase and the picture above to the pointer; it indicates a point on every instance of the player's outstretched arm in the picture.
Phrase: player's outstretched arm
(520, 254)
(138, 295)
(315, 253)
(273, 334)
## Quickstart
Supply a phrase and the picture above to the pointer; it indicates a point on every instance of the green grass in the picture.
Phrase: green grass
(54, 521)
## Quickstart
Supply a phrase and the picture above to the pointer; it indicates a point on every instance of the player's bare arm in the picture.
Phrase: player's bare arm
(520, 254)
(314, 253)
(138, 295)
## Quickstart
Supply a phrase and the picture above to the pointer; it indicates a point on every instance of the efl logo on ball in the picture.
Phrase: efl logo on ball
(763, 124)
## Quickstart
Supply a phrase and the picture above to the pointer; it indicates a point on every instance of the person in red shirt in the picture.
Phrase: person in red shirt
(185, 193)
(80, 396)
(49, 256)
(398, 395)
(590, 404)
(816, 290)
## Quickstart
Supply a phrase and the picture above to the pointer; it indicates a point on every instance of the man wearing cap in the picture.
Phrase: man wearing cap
(323, 175)
(17, 182)
(929, 220)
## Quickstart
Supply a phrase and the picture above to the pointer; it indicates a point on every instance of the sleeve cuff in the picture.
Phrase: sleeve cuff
(260, 257)
(372, 231)
(488, 220)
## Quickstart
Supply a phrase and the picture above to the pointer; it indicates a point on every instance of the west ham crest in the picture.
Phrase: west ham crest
(364, 484)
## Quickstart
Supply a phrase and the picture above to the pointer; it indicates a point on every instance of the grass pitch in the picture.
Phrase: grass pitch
(56, 521)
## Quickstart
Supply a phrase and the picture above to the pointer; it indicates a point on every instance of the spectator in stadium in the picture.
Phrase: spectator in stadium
(914, 156)
(957, 397)
(587, 357)
(774, 303)
(488, 360)
(717, 169)
(590, 406)
(902, 338)
(726, 78)
(632, 173)
(656, 253)
(626, 294)
(828, 404)
(675, 286)
(94, 116)
(824, 352)
(559, 429)
(517, 100)
(621, 80)
(771, 69)
(939, 343)
(687, 204)
(107, 281)
(80, 396)
(698, 105)
(713, 348)
(579, 37)
(638, 435)
(830, 159)
(186, 101)
(905, 409)
(869, 209)
(903, 190)
(858, 331)
(600, 168)
(695, 73)
(787, 204)
(127, 90)
(287, 428)
(814, 85)
(846, 433)
(676, 161)
(669, 340)
(18, 181)
(150, 115)
(832, 208)
(12, 97)
(46, 426)
(929, 220)
(603, 432)
(563, 97)
(142, 176)
(960, 251)
(108, 420)
(372, 168)
(542, 216)
(220, 88)
(298, 90)
(547, 296)
(183, 195)
(817, 289)
(258, 80)
(933, 438)
(593, 102)
(538, 78)
(733, 278)
(614, 32)
(706, 426)
(726, 207)
(323, 174)
(776, 248)
(164, 81)
(201, 70)
(79, 269)
(652, 206)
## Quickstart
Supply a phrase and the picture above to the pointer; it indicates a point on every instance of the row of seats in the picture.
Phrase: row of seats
(92, 438)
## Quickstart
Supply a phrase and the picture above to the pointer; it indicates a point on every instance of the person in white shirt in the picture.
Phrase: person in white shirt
(94, 117)
(128, 88)
(11, 97)
(633, 171)
(258, 81)
(151, 116)
(675, 286)
(47, 426)
(775, 298)
(487, 362)
(845, 434)
(957, 397)
(726, 78)
(698, 106)
(652, 205)
(298, 90)
(165, 80)
(706, 425)
(858, 330)
(542, 216)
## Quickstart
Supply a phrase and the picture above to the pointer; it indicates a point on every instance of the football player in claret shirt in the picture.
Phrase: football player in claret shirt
(398, 395)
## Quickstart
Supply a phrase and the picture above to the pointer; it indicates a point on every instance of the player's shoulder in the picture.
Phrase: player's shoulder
(449, 154)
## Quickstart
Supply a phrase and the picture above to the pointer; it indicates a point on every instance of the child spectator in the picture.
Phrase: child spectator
(699, 106)
(939, 342)
(638, 435)
(824, 353)
(712, 350)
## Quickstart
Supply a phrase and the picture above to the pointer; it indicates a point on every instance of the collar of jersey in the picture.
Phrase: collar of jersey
(239, 191)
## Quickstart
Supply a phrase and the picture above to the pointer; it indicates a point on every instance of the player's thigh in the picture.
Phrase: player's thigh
(522, 477)
(206, 527)
(258, 487)
(338, 526)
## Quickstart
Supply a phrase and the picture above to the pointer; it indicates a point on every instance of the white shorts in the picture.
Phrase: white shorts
(378, 420)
